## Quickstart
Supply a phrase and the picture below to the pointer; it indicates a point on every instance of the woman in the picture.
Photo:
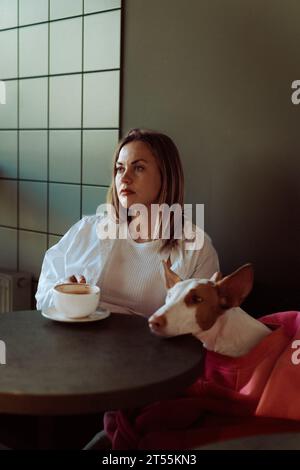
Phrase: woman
(147, 170)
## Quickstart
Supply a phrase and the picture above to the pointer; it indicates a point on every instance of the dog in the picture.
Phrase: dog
(210, 310)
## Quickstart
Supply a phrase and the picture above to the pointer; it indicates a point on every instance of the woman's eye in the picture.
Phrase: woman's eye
(119, 169)
(139, 168)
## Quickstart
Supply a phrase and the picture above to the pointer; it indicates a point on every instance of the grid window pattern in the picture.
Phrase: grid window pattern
(61, 63)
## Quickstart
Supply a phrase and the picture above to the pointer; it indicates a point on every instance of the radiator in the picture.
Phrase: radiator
(15, 290)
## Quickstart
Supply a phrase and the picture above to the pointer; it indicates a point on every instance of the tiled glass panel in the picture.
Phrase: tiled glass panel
(101, 99)
(53, 239)
(33, 154)
(91, 198)
(8, 13)
(101, 109)
(8, 203)
(33, 50)
(99, 5)
(8, 154)
(102, 41)
(8, 252)
(8, 51)
(65, 46)
(61, 9)
(33, 11)
(64, 156)
(8, 115)
(98, 150)
(32, 247)
(33, 205)
(65, 101)
(64, 207)
(33, 102)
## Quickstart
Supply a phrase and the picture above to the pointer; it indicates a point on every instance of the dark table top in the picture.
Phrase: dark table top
(55, 368)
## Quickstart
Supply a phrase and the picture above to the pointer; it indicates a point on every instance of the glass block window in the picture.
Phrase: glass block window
(60, 62)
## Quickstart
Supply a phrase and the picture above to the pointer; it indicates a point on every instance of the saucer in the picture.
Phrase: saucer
(53, 314)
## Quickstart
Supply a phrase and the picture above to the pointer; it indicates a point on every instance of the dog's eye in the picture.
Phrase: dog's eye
(197, 299)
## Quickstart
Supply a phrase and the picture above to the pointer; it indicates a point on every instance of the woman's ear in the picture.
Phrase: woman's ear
(233, 289)
(171, 278)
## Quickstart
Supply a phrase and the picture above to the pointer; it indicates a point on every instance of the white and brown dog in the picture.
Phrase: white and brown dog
(210, 310)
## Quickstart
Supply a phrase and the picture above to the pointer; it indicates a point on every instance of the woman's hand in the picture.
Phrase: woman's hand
(77, 278)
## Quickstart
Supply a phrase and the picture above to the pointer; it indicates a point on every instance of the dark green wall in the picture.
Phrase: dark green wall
(216, 75)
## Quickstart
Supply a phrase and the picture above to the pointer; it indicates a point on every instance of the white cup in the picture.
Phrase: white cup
(76, 300)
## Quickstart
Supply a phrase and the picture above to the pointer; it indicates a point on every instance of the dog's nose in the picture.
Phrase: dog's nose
(157, 322)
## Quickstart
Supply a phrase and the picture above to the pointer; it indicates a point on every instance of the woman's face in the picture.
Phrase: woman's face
(138, 178)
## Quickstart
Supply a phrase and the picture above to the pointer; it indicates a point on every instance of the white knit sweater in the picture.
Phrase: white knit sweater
(133, 277)
(129, 273)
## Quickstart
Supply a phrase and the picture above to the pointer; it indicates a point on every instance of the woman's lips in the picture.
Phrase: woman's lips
(126, 192)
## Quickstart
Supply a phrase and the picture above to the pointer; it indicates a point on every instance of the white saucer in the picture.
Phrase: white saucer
(53, 314)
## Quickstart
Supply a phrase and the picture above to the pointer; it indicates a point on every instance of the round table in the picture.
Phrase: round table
(55, 368)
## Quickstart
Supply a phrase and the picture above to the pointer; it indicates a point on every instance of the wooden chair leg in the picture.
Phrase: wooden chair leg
(99, 442)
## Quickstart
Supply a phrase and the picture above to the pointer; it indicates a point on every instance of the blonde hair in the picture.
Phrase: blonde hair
(169, 164)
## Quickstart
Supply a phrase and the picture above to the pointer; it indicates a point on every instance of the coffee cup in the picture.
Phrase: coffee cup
(76, 300)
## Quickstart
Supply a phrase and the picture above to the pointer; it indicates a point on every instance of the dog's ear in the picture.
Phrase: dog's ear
(171, 278)
(216, 277)
(233, 289)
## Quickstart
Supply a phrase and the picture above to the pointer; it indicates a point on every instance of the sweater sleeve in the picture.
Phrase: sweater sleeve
(54, 265)
(207, 261)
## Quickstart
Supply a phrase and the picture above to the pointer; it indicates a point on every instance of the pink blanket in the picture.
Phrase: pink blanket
(257, 393)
